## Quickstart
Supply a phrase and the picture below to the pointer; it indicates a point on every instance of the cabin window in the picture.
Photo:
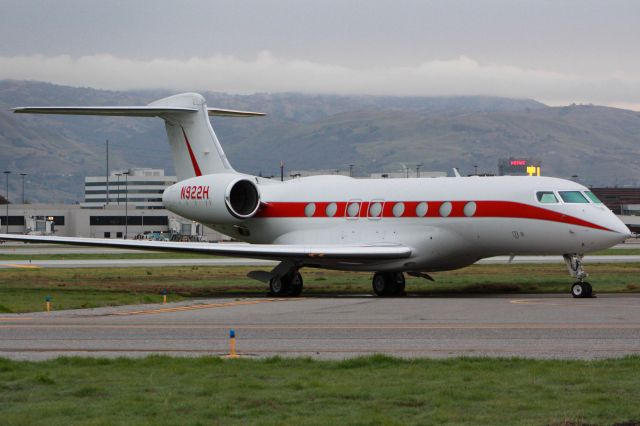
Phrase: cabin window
(470, 209)
(331, 209)
(398, 209)
(421, 209)
(445, 209)
(593, 197)
(547, 197)
(309, 209)
(353, 209)
(375, 209)
(573, 197)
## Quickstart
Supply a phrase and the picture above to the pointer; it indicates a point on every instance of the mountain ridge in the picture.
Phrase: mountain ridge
(317, 132)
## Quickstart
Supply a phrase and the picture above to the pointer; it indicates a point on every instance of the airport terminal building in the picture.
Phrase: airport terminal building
(129, 204)
(138, 188)
(113, 221)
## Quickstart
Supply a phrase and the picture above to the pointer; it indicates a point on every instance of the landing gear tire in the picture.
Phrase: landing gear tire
(379, 284)
(279, 286)
(288, 285)
(582, 290)
(388, 283)
(296, 285)
(399, 284)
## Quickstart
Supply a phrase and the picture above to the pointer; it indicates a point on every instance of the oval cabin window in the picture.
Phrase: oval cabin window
(421, 209)
(331, 209)
(398, 209)
(353, 209)
(470, 209)
(375, 209)
(310, 209)
(445, 209)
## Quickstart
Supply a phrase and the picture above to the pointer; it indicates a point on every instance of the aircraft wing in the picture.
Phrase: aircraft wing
(360, 253)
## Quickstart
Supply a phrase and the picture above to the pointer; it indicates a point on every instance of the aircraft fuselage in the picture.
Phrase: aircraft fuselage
(449, 222)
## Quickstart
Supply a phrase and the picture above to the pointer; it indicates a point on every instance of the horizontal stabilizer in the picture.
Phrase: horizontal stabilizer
(234, 113)
(130, 111)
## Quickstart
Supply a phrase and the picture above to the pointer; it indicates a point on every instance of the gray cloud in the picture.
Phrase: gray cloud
(555, 51)
(268, 73)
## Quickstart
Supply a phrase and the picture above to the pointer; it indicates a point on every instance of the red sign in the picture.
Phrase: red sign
(518, 162)
(194, 192)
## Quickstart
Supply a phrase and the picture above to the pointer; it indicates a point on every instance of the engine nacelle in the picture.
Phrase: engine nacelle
(242, 198)
(214, 199)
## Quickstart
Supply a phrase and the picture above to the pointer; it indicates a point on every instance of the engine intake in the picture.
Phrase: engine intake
(242, 198)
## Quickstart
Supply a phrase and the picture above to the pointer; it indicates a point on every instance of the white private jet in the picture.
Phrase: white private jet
(386, 226)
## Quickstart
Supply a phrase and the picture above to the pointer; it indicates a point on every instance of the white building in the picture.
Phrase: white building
(113, 221)
(136, 188)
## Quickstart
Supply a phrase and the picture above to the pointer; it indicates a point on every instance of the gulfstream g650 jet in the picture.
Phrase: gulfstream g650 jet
(386, 226)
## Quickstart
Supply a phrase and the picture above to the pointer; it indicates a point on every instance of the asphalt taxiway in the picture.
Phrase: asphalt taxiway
(337, 327)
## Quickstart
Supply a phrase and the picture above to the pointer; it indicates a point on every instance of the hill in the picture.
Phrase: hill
(318, 132)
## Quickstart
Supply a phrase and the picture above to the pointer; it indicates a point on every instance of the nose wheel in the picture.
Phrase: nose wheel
(388, 283)
(581, 289)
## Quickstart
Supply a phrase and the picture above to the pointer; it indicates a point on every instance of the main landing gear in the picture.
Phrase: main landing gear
(580, 288)
(388, 283)
(289, 284)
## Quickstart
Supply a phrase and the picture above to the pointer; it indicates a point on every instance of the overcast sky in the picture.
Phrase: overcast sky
(555, 51)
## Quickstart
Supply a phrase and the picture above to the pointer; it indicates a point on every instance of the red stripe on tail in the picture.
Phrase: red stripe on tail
(196, 168)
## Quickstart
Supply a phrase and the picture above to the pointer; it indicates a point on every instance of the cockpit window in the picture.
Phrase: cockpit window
(546, 197)
(593, 197)
(573, 197)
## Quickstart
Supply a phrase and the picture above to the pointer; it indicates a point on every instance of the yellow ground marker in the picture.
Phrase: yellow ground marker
(17, 265)
(196, 307)
(232, 344)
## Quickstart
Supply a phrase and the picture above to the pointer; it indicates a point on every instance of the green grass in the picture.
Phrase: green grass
(369, 390)
(23, 290)
(617, 252)
(31, 300)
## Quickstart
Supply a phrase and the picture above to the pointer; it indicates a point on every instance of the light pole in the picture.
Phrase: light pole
(351, 170)
(23, 175)
(475, 168)
(126, 203)
(6, 173)
(418, 169)
(107, 171)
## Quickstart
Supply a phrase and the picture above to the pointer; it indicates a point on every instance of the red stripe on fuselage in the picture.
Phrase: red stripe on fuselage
(485, 209)
(196, 168)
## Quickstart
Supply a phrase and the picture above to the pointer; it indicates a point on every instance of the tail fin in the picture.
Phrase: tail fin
(194, 145)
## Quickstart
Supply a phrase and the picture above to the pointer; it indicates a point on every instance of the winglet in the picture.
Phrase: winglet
(456, 173)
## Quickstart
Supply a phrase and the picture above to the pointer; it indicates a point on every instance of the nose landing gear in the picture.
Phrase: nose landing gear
(388, 283)
(580, 288)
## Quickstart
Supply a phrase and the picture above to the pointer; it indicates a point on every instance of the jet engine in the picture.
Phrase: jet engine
(215, 199)
(242, 198)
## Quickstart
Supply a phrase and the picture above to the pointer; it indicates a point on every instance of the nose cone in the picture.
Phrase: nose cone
(621, 230)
